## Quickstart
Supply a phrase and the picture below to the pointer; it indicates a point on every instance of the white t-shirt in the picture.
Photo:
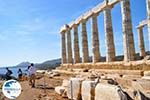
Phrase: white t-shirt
(32, 70)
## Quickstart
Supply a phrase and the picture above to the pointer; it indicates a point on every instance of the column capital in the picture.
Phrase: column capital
(95, 14)
(63, 29)
(107, 6)
(62, 32)
(140, 27)
(83, 20)
(75, 25)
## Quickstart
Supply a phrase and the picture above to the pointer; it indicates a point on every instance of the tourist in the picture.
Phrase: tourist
(19, 74)
(32, 72)
(8, 74)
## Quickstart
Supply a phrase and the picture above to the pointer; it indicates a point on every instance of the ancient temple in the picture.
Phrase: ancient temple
(128, 39)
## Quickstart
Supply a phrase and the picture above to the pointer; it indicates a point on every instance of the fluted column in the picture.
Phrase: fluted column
(95, 39)
(141, 41)
(63, 46)
(110, 47)
(76, 45)
(85, 51)
(128, 39)
(148, 17)
(69, 46)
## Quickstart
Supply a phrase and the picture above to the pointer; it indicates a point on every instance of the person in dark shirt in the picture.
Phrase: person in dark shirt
(19, 74)
(8, 74)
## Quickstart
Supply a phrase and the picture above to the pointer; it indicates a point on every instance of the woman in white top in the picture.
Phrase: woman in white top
(32, 72)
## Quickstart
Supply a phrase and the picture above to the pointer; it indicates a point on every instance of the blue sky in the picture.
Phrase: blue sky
(29, 29)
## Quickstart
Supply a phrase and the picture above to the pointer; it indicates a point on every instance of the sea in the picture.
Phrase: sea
(14, 70)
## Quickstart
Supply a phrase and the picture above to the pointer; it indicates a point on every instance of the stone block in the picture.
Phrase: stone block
(120, 72)
(146, 77)
(88, 90)
(74, 88)
(146, 73)
(59, 89)
(109, 92)
(132, 76)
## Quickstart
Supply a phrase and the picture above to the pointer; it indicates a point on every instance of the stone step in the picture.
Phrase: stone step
(120, 72)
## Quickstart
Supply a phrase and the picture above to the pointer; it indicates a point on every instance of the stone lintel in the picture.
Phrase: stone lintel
(113, 2)
(99, 8)
(78, 20)
(71, 24)
(87, 14)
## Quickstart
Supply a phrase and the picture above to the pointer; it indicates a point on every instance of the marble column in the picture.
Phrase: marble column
(95, 39)
(148, 17)
(63, 46)
(85, 51)
(128, 39)
(110, 46)
(141, 41)
(69, 46)
(76, 45)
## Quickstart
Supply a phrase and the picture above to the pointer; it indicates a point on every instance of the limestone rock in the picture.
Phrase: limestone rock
(54, 74)
(88, 89)
(60, 89)
(109, 92)
(74, 88)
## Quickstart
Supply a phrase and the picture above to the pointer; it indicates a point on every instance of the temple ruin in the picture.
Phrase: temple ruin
(128, 39)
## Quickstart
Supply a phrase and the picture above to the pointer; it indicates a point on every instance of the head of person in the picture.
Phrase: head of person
(7, 68)
(19, 69)
(32, 64)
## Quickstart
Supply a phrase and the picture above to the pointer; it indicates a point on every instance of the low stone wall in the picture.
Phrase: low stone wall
(133, 65)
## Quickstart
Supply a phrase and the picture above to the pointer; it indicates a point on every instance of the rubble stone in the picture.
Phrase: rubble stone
(60, 89)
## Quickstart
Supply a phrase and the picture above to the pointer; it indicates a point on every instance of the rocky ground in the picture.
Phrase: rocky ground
(130, 81)
(38, 93)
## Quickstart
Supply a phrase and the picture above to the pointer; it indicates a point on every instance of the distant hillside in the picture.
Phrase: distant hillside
(50, 64)
(24, 64)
